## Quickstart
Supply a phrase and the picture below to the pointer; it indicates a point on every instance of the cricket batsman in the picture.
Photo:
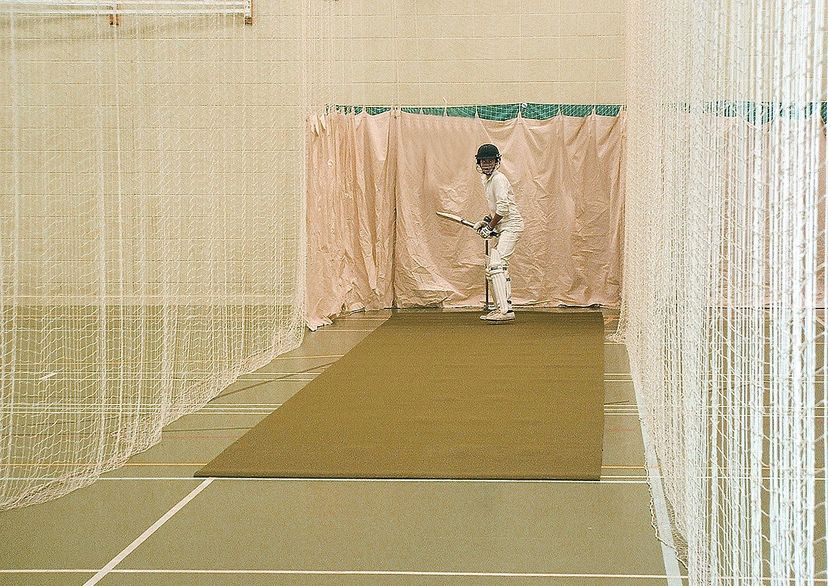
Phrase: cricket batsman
(505, 219)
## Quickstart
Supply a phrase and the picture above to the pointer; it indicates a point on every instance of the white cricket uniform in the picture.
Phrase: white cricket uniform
(501, 200)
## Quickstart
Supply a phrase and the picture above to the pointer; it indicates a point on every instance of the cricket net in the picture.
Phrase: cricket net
(724, 292)
(150, 231)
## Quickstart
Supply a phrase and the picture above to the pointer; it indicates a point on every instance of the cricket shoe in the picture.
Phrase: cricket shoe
(496, 317)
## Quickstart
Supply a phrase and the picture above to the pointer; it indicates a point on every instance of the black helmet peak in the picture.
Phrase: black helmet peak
(487, 151)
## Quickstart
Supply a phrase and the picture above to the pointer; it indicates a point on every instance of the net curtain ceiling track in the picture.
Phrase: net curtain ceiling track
(132, 7)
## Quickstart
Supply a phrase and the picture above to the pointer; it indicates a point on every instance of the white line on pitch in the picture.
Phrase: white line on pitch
(243, 377)
(356, 573)
(409, 573)
(339, 330)
(341, 319)
(315, 356)
(146, 534)
(603, 479)
(619, 479)
(50, 571)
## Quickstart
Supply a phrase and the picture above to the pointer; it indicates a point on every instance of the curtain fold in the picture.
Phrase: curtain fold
(350, 220)
(375, 183)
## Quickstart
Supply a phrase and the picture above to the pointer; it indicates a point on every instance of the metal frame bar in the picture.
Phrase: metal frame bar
(137, 7)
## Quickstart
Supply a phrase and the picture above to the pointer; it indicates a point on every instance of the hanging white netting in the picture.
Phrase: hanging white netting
(151, 177)
(724, 297)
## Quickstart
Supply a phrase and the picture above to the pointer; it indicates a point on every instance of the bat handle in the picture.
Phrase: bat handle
(485, 280)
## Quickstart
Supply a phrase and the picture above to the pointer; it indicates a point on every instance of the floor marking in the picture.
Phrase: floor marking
(607, 406)
(360, 573)
(47, 376)
(283, 357)
(339, 330)
(74, 464)
(410, 573)
(662, 518)
(364, 318)
(603, 480)
(146, 534)
(51, 571)
(250, 411)
(201, 437)
(239, 405)
(612, 479)
(246, 377)
(294, 378)
(231, 409)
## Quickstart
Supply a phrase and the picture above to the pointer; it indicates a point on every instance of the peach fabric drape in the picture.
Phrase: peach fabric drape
(375, 183)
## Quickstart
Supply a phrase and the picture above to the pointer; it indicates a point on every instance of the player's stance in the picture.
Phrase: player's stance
(509, 223)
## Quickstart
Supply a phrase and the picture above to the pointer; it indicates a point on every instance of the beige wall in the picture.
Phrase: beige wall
(159, 160)
(431, 52)
(204, 116)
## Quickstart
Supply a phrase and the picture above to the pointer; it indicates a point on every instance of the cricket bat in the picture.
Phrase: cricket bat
(460, 220)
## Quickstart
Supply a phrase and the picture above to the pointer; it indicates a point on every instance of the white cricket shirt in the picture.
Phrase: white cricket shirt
(501, 200)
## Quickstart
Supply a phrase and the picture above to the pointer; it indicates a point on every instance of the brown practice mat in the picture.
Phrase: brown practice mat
(443, 395)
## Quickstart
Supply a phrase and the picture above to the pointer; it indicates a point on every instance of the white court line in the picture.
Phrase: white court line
(359, 573)
(244, 378)
(293, 377)
(341, 319)
(146, 534)
(608, 479)
(607, 406)
(338, 330)
(50, 571)
(247, 377)
(314, 356)
(668, 548)
(612, 479)
(230, 409)
(212, 410)
(409, 573)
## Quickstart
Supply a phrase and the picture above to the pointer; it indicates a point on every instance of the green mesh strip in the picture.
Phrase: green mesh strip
(496, 112)
(754, 112)
(759, 112)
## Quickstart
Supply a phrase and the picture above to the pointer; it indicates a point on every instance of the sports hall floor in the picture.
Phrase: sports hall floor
(151, 522)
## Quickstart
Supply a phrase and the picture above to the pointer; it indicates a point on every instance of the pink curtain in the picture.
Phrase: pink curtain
(375, 183)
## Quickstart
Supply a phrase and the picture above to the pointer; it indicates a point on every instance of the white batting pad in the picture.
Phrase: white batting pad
(508, 289)
(499, 287)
